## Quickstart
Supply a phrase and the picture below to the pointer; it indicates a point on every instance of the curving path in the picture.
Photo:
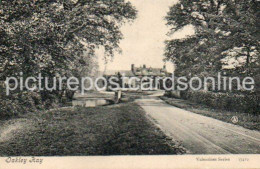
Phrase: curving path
(200, 134)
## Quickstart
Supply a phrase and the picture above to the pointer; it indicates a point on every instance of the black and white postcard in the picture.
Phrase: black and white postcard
(135, 84)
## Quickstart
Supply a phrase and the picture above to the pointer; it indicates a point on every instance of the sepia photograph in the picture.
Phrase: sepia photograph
(100, 81)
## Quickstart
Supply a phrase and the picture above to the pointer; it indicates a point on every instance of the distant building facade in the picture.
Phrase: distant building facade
(140, 72)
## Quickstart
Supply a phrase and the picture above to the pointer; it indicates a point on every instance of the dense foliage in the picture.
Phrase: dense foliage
(57, 38)
(226, 40)
(225, 101)
(226, 37)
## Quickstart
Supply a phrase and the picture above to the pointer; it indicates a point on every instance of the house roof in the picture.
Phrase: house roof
(122, 72)
(139, 71)
(142, 71)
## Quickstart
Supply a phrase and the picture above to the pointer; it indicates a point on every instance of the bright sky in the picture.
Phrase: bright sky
(143, 41)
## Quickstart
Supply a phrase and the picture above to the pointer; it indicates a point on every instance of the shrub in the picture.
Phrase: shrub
(225, 101)
(18, 102)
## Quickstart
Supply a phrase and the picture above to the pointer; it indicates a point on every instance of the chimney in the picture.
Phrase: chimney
(164, 67)
(144, 66)
(133, 67)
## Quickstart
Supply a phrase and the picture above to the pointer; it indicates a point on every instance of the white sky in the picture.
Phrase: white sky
(143, 41)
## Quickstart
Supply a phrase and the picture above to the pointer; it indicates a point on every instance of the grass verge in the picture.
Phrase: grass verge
(110, 130)
(246, 120)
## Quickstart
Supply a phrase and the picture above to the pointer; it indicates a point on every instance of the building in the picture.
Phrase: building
(140, 72)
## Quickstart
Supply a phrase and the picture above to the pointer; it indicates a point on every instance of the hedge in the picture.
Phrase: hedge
(225, 101)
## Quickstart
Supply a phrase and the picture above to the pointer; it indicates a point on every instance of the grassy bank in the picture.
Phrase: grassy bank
(110, 130)
(244, 119)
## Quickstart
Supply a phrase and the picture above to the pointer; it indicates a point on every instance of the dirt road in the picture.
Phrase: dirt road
(200, 134)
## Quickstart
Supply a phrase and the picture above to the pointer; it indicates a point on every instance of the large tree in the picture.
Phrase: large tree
(224, 30)
(58, 37)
